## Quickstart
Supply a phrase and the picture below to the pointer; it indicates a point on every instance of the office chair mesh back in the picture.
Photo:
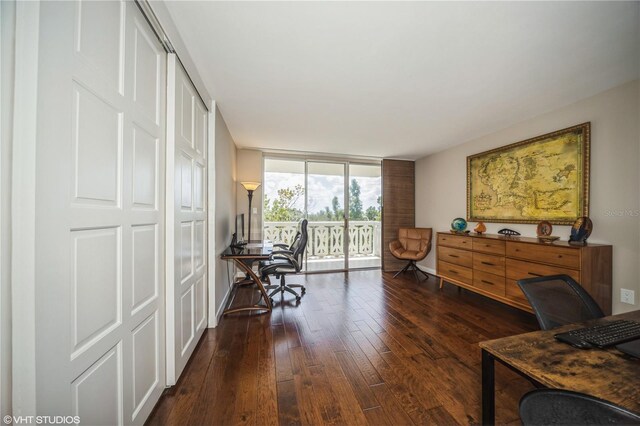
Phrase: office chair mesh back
(559, 407)
(558, 300)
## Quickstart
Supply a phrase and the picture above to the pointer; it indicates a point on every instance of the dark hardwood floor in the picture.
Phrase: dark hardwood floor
(361, 348)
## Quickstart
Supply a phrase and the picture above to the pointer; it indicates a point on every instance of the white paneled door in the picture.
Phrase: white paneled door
(186, 219)
(100, 213)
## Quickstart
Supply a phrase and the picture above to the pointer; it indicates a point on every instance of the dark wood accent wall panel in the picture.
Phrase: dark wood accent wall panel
(398, 206)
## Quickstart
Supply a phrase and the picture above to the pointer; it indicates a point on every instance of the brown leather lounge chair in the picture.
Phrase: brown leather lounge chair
(413, 244)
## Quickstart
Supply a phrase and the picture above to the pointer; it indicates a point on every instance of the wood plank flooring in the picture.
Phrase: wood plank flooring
(361, 348)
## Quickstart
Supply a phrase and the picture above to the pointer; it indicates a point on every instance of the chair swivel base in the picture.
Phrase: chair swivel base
(289, 288)
(411, 266)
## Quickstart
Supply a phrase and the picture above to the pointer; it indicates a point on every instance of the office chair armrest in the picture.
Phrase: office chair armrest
(278, 254)
(290, 259)
(282, 245)
(281, 251)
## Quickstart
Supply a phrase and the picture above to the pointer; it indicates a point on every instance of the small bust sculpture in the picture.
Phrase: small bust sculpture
(580, 231)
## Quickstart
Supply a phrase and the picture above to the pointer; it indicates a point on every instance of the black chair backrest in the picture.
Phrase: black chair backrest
(300, 244)
(558, 300)
(560, 407)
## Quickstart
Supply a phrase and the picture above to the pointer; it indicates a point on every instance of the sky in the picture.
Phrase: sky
(322, 189)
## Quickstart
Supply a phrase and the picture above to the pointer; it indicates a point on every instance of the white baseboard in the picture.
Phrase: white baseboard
(427, 270)
(220, 309)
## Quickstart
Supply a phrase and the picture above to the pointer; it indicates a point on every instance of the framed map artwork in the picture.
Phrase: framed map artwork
(543, 178)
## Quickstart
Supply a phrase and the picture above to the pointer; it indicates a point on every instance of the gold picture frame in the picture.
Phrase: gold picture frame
(542, 178)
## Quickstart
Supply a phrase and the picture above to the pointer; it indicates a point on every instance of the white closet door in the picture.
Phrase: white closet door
(187, 293)
(100, 213)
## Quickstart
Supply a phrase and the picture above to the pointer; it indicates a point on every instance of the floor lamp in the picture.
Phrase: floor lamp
(250, 187)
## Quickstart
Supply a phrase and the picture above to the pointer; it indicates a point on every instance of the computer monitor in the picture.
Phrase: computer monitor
(240, 228)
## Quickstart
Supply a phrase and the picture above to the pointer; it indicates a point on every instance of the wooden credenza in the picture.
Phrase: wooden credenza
(491, 265)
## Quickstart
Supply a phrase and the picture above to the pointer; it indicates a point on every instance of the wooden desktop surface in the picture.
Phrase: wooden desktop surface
(608, 374)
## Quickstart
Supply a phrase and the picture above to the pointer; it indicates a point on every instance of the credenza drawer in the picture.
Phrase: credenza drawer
(489, 246)
(561, 256)
(456, 256)
(513, 292)
(456, 272)
(489, 263)
(488, 282)
(456, 241)
(518, 269)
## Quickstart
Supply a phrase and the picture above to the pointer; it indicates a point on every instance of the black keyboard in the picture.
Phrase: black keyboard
(602, 335)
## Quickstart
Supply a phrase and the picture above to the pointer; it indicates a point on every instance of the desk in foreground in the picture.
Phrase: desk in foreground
(606, 374)
(244, 257)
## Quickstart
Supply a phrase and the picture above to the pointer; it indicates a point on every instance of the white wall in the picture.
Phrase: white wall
(614, 193)
(225, 208)
(7, 18)
(164, 17)
(249, 165)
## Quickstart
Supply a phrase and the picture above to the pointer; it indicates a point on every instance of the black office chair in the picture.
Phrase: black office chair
(282, 248)
(558, 300)
(561, 407)
(287, 262)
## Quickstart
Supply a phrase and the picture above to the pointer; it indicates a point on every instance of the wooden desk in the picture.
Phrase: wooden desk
(244, 259)
(606, 374)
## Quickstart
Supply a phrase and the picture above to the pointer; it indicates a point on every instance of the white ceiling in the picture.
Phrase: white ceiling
(401, 79)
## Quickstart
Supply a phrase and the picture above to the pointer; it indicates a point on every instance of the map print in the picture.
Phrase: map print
(530, 181)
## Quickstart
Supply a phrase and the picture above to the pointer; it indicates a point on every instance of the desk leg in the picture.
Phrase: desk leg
(263, 293)
(247, 280)
(488, 389)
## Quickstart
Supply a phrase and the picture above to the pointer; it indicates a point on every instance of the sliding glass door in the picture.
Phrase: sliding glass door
(342, 202)
(365, 215)
(327, 218)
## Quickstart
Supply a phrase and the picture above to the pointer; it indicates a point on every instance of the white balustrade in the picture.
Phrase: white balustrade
(326, 239)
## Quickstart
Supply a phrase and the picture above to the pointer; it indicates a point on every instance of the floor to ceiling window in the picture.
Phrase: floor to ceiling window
(341, 200)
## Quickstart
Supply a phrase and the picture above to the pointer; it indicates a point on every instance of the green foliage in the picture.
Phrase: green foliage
(373, 213)
(355, 204)
(282, 209)
(321, 216)
(338, 212)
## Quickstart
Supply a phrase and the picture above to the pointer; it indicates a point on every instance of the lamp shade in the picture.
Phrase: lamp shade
(250, 186)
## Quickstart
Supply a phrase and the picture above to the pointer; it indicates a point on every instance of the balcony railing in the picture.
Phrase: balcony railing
(326, 239)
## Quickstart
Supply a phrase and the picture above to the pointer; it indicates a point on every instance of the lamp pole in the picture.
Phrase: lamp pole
(250, 187)
(250, 194)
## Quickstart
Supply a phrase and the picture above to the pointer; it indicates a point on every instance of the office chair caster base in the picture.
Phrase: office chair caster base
(302, 288)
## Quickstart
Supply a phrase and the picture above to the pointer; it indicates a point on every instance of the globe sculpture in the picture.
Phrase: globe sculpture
(458, 224)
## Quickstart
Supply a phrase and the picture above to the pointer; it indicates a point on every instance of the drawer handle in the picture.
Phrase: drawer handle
(487, 282)
(453, 272)
(487, 263)
(534, 274)
(454, 255)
